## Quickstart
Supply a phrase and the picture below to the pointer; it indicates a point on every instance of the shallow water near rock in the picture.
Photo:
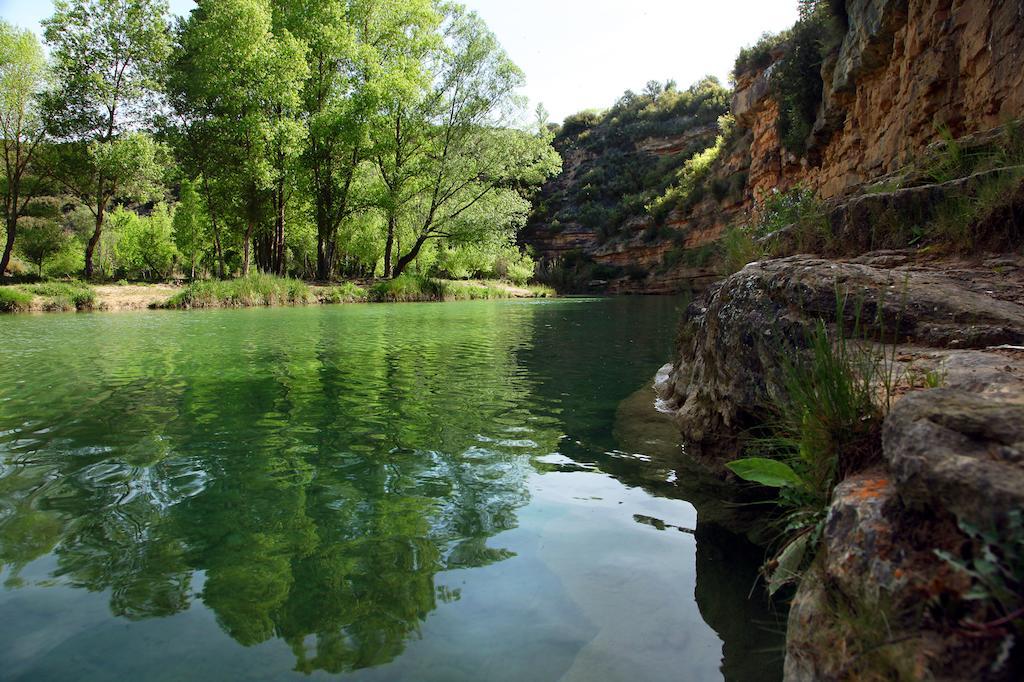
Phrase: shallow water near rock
(466, 491)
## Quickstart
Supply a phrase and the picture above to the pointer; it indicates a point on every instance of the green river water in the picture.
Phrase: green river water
(468, 491)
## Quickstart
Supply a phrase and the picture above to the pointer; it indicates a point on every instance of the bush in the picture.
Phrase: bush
(800, 211)
(796, 80)
(739, 248)
(55, 296)
(255, 290)
(346, 292)
(758, 56)
(13, 300)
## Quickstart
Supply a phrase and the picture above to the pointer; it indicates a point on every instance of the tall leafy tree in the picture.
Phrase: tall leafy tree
(23, 75)
(106, 54)
(190, 226)
(360, 53)
(452, 169)
(235, 87)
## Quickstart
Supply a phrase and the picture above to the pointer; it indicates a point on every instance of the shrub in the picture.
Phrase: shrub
(255, 290)
(796, 80)
(738, 248)
(798, 210)
(14, 300)
(758, 56)
(346, 292)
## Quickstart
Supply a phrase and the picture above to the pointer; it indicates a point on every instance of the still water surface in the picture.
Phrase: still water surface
(467, 491)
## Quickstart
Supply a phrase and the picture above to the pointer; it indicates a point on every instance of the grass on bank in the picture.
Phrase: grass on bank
(254, 290)
(407, 288)
(52, 296)
(268, 290)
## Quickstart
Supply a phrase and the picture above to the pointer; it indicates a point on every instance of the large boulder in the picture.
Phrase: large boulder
(727, 375)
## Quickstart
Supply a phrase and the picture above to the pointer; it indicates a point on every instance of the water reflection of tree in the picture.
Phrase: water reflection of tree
(318, 472)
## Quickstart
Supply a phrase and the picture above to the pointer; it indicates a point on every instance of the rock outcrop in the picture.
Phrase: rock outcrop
(728, 374)
(884, 598)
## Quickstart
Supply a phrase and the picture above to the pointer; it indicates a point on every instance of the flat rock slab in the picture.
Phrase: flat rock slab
(958, 450)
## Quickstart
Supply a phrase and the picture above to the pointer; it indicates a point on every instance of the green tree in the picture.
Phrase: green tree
(461, 171)
(145, 246)
(23, 74)
(360, 53)
(106, 54)
(234, 85)
(41, 239)
(190, 226)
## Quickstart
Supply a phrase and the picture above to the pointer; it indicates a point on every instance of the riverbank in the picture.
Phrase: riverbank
(253, 291)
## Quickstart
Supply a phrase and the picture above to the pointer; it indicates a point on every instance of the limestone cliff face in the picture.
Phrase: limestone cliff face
(906, 73)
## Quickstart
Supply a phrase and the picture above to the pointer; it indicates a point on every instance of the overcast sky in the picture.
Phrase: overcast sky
(581, 54)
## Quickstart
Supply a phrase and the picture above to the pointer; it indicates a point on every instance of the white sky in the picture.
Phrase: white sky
(581, 54)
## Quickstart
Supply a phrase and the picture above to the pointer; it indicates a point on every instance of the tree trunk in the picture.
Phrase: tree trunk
(390, 245)
(90, 248)
(12, 230)
(408, 258)
(281, 257)
(246, 246)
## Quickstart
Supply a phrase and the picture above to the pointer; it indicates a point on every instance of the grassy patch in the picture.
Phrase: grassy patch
(13, 300)
(827, 427)
(409, 288)
(738, 247)
(255, 290)
(346, 292)
(55, 296)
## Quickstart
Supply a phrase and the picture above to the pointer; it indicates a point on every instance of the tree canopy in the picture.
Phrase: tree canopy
(339, 138)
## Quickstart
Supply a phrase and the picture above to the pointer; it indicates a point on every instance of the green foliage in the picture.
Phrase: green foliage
(13, 299)
(54, 296)
(254, 290)
(145, 247)
(40, 240)
(409, 288)
(799, 211)
(995, 564)
(63, 295)
(191, 227)
(688, 188)
(23, 74)
(767, 472)
(759, 55)
(796, 80)
(346, 292)
(827, 426)
(739, 247)
(106, 56)
(616, 179)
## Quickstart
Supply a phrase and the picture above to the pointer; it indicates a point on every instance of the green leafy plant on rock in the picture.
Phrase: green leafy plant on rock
(826, 427)
(995, 563)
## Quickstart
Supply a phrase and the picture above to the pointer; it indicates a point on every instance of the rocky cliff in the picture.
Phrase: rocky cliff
(902, 75)
(905, 514)
(887, 596)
